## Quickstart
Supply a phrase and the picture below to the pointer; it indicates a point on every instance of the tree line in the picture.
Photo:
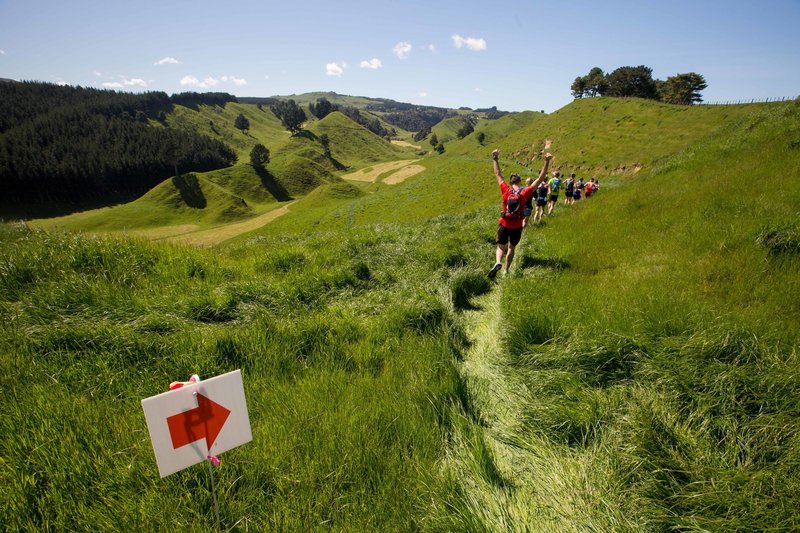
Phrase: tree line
(683, 89)
(72, 144)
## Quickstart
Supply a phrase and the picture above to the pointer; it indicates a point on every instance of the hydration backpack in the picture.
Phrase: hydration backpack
(515, 207)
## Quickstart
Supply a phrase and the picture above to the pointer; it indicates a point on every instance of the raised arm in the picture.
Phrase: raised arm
(496, 166)
(542, 173)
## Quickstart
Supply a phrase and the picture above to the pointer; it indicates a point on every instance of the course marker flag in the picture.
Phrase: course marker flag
(198, 420)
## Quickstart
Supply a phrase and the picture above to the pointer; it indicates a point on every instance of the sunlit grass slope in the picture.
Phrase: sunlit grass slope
(297, 166)
(347, 344)
(188, 199)
(638, 370)
(353, 145)
(217, 122)
(653, 338)
(461, 179)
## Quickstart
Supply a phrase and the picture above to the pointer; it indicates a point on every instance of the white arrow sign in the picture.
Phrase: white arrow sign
(189, 424)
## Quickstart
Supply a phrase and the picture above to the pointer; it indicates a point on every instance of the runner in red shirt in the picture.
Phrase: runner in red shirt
(509, 229)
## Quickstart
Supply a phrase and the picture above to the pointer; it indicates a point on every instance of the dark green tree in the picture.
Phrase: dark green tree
(434, 140)
(325, 141)
(292, 115)
(682, 89)
(322, 108)
(259, 156)
(440, 148)
(466, 129)
(241, 122)
(632, 81)
(595, 82)
(481, 137)
(578, 87)
(421, 134)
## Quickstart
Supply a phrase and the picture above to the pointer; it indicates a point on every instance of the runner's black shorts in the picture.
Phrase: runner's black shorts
(504, 235)
(541, 202)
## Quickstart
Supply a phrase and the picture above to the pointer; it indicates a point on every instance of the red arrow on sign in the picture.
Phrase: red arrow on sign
(204, 421)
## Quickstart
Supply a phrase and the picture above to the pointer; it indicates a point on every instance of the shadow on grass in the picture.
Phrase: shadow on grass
(337, 164)
(528, 261)
(306, 134)
(272, 185)
(189, 188)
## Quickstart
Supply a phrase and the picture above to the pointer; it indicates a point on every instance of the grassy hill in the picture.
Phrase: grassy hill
(637, 370)
(297, 166)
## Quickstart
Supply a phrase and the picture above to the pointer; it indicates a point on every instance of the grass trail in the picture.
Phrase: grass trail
(515, 481)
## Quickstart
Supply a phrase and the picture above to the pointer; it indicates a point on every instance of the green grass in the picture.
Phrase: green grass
(637, 370)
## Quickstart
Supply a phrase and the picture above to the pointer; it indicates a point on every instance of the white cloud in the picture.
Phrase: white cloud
(126, 82)
(478, 90)
(97, 73)
(266, 76)
(477, 44)
(335, 69)
(191, 81)
(60, 81)
(167, 61)
(2, 52)
(402, 50)
(234, 80)
(432, 48)
(373, 63)
(423, 94)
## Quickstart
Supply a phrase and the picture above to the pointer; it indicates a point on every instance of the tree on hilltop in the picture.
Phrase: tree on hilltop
(259, 156)
(596, 83)
(632, 81)
(682, 89)
(578, 87)
(434, 140)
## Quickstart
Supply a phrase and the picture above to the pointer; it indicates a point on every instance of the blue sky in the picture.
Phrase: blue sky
(513, 55)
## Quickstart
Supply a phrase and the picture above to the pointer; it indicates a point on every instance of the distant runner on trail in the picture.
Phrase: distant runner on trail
(553, 184)
(569, 190)
(578, 189)
(528, 205)
(509, 229)
(541, 200)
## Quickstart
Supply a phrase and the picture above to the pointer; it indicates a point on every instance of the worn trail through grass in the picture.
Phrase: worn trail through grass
(514, 481)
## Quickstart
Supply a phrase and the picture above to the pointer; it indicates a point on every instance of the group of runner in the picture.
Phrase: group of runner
(548, 192)
(518, 205)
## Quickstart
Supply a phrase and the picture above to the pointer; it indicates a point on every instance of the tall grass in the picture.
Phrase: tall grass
(347, 351)
(665, 353)
(638, 369)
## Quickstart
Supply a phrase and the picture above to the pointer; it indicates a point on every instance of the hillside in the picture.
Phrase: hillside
(297, 166)
(636, 370)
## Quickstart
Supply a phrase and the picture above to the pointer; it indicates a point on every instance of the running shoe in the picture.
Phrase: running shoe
(493, 272)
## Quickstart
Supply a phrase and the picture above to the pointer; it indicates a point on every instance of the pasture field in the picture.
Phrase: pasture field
(637, 370)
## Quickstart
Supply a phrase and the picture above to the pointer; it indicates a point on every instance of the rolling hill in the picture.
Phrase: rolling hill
(636, 370)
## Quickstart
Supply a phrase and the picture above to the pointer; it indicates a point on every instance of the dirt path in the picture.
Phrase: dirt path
(214, 236)
(403, 174)
(370, 174)
(406, 144)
